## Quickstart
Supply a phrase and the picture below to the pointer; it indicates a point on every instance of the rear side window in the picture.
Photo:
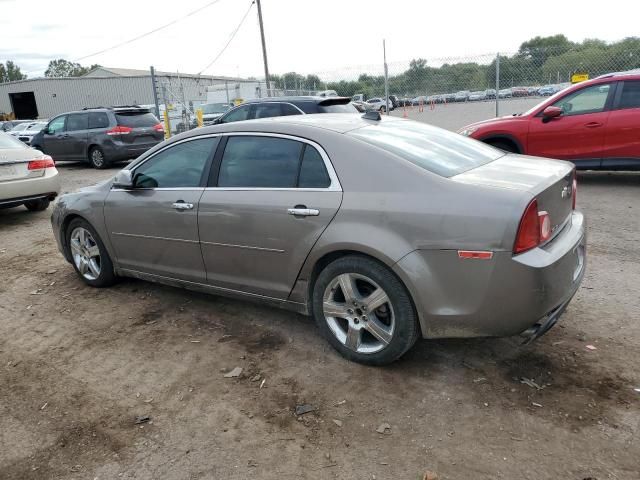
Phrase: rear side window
(77, 121)
(179, 166)
(266, 162)
(630, 97)
(136, 119)
(313, 173)
(98, 120)
(266, 110)
(288, 109)
(434, 149)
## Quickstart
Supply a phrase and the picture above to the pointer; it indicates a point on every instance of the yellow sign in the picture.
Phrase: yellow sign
(579, 77)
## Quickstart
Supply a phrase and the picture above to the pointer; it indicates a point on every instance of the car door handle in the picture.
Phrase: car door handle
(593, 124)
(180, 205)
(66, 135)
(303, 212)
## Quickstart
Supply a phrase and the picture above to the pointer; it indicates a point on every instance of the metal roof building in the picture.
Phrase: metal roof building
(103, 86)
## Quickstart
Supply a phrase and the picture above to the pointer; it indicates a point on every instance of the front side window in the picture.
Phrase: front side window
(57, 125)
(630, 97)
(98, 120)
(266, 110)
(267, 162)
(179, 166)
(240, 113)
(588, 100)
(77, 121)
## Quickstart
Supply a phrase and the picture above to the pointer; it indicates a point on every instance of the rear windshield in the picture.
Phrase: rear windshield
(436, 150)
(344, 108)
(136, 119)
(7, 141)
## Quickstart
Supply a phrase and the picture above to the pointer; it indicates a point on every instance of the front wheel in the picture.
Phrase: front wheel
(364, 311)
(89, 256)
(383, 109)
(37, 205)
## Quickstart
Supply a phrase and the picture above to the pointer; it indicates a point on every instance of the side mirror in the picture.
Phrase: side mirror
(550, 113)
(46, 131)
(123, 180)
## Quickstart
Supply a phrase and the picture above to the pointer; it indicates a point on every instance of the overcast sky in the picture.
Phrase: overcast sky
(328, 37)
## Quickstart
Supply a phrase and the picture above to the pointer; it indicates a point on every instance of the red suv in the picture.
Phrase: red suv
(594, 124)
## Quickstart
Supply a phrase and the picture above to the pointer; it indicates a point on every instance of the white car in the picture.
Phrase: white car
(380, 104)
(27, 176)
(26, 131)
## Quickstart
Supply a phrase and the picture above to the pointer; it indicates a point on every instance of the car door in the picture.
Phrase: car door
(270, 199)
(153, 227)
(622, 140)
(53, 138)
(74, 142)
(578, 133)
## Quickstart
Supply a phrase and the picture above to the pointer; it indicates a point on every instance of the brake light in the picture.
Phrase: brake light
(574, 191)
(158, 127)
(43, 162)
(528, 235)
(119, 130)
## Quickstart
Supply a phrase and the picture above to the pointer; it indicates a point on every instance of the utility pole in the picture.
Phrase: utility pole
(497, 84)
(386, 76)
(155, 90)
(264, 50)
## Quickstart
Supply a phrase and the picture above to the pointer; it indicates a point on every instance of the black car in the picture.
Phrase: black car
(100, 136)
(282, 106)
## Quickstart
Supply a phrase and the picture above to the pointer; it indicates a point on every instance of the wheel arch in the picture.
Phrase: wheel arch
(64, 227)
(505, 138)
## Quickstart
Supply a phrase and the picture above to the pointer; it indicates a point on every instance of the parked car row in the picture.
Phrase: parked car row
(25, 131)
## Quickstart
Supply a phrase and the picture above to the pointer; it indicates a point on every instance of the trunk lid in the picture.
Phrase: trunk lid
(549, 181)
(141, 123)
(14, 164)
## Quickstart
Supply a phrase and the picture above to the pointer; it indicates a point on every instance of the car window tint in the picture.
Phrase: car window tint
(313, 173)
(588, 100)
(178, 166)
(267, 162)
(57, 124)
(630, 95)
(77, 121)
(434, 149)
(343, 108)
(98, 120)
(240, 113)
(288, 109)
(136, 119)
(265, 110)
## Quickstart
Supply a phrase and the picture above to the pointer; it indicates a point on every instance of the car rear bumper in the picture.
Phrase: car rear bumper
(502, 296)
(16, 192)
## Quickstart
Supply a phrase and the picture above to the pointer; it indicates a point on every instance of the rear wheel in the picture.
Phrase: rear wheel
(37, 205)
(383, 109)
(364, 311)
(89, 257)
(97, 159)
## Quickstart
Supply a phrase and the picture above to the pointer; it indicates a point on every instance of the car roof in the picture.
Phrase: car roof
(629, 73)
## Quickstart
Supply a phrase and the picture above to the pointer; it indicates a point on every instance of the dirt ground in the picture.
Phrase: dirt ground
(79, 365)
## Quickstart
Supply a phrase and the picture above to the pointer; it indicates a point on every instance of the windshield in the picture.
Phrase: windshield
(37, 126)
(210, 108)
(7, 141)
(436, 150)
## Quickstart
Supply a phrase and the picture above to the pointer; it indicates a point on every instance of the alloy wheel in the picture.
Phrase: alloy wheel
(97, 157)
(85, 253)
(359, 313)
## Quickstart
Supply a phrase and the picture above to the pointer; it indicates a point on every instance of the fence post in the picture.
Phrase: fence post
(386, 77)
(498, 84)
(155, 90)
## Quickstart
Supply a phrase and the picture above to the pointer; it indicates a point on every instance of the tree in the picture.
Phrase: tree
(10, 72)
(65, 68)
(538, 49)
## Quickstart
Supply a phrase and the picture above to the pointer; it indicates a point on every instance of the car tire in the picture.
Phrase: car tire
(88, 255)
(37, 205)
(382, 109)
(506, 146)
(97, 158)
(359, 334)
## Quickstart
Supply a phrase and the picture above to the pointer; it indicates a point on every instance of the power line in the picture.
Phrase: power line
(131, 40)
(233, 34)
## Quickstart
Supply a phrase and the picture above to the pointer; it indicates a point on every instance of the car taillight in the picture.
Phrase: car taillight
(120, 130)
(158, 127)
(529, 231)
(574, 191)
(43, 162)
(545, 225)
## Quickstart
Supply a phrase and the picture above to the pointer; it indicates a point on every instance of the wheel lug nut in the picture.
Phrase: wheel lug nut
(355, 320)
(364, 319)
(349, 311)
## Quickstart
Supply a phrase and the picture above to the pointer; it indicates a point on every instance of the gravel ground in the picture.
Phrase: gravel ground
(79, 365)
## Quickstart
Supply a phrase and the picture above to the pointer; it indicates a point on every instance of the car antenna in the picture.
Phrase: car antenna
(372, 115)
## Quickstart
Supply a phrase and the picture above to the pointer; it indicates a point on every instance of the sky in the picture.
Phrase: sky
(331, 38)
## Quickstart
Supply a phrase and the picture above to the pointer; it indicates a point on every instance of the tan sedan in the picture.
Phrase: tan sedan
(27, 176)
